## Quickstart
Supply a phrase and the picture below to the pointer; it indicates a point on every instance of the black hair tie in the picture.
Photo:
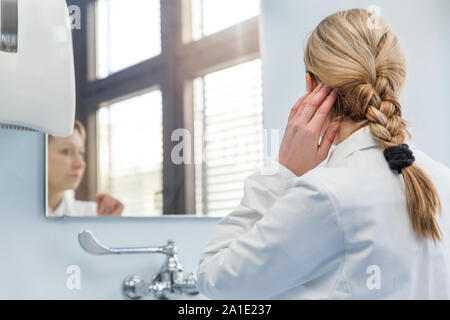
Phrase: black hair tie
(399, 157)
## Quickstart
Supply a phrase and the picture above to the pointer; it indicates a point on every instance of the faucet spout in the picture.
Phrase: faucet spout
(90, 244)
(169, 282)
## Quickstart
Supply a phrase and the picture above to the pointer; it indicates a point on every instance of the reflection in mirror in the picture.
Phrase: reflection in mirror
(129, 153)
(228, 109)
(66, 166)
(129, 165)
(119, 161)
(131, 20)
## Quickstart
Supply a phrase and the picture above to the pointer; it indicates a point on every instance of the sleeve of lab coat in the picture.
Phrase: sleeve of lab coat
(278, 238)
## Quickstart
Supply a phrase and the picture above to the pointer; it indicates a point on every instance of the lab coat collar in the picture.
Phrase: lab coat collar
(358, 140)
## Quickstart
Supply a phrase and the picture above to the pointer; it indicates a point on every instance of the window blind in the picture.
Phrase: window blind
(228, 133)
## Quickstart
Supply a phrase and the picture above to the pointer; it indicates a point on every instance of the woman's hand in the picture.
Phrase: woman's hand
(108, 206)
(300, 150)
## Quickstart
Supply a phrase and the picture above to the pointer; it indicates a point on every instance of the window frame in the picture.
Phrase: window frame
(173, 71)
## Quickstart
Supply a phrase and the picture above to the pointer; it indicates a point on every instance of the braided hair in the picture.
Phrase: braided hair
(356, 53)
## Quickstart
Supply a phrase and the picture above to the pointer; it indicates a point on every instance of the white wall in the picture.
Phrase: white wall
(423, 28)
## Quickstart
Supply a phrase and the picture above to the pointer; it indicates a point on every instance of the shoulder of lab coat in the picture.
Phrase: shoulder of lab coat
(285, 232)
(71, 207)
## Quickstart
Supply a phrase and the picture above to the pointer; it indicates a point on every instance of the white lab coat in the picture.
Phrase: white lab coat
(338, 232)
(71, 207)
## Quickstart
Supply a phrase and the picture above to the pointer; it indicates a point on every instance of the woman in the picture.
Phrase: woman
(366, 226)
(66, 167)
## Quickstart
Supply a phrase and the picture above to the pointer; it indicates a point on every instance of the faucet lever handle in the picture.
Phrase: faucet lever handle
(90, 244)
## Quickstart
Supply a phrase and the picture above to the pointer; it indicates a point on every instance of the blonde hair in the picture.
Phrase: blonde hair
(78, 126)
(356, 53)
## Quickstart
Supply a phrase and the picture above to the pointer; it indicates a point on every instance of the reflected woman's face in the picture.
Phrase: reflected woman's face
(66, 163)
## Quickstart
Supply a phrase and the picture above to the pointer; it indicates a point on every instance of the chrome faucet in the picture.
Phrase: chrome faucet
(171, 280)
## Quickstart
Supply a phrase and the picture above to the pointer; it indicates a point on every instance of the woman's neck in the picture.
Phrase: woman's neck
(55, 199)
(346, 129)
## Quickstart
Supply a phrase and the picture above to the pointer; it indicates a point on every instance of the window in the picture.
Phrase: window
(127, 32)
(128, 36)
(127, 169)
(228, 131)
(210, 16)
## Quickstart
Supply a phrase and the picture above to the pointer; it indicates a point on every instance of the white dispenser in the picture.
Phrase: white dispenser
(37, 78)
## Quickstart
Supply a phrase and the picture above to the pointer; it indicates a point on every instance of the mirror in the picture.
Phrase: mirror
(163, 128)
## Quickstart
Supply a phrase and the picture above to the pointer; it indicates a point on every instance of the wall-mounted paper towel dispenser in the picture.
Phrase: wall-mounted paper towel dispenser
(37, 77)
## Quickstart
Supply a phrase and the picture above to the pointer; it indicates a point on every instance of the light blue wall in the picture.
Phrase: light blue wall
(422, 27)
(35, 251)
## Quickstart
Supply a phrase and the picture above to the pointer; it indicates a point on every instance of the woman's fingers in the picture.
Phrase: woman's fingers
(105, 205)
(327, 140)
(99, 206)
(117, 209)
(306, 97)
(300, 150)
(111, 203)
(108, 205)
(320, 116)
(312, 103)
(297, 105)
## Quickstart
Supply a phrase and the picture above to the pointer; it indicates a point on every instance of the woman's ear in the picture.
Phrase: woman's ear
(311, 82)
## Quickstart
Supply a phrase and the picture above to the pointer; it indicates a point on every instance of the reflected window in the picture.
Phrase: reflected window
(127, 32)
(228, 131)
(211, 16)
(130, 153)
